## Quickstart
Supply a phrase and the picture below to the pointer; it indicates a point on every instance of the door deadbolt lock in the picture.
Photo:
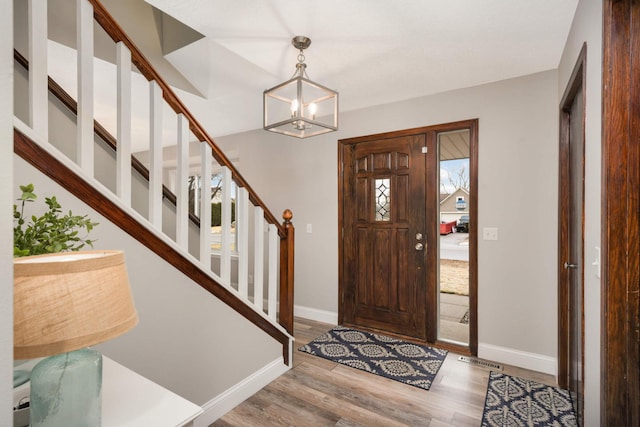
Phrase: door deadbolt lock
(567, 265)
(419, 246)
(418, 236)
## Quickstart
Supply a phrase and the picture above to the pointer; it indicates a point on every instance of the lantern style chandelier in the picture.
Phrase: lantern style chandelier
(300, 107)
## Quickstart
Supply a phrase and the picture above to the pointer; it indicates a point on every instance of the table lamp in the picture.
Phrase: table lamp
(63, 303)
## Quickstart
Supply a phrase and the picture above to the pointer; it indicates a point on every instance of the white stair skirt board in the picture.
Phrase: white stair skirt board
(315, 314)
(521, 359)
(226, 401)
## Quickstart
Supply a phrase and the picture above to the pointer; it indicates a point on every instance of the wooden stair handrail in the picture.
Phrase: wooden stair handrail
(117, 34)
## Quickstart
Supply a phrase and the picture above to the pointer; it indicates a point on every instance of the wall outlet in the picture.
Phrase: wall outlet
(490, 233)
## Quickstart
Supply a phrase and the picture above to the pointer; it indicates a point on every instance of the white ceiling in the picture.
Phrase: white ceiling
(371, 51)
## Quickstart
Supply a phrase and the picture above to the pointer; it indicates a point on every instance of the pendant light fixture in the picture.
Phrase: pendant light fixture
(300, 107)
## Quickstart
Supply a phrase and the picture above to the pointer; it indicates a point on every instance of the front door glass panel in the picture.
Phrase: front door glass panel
(383, 199)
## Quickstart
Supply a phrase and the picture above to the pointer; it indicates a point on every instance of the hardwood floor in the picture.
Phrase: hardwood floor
(317, 392)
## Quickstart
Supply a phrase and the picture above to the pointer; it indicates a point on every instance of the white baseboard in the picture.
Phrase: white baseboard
(315, 314)
(223, 403)
(521, 359)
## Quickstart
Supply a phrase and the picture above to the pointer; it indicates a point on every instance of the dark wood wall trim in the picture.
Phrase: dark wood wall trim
(576, 81)
(473, 233)
(620, 358)
(54, 169)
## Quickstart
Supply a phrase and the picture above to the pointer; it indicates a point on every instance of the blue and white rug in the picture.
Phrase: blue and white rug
(513, 401)
(388, 357)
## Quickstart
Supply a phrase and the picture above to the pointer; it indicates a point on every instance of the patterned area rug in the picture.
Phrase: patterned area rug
(513, 401)
(392, 358)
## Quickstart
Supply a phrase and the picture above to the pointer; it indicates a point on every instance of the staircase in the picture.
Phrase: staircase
(247, 263)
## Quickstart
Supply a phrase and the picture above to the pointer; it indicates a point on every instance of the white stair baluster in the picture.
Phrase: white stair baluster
(258, 258)
(38, 77)
(84, 43)
(205, 205)
(123, 151)
(155, 155)
(182, 184)
(225, 249)
(274, 241)
(242, 232)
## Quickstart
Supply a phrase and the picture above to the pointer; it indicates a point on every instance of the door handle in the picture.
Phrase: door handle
(568, 266)
(419, 246)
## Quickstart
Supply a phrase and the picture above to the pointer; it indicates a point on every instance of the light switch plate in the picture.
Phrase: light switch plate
(596, 262)
(490, 233)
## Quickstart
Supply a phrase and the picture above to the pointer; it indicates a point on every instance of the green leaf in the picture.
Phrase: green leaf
(27, 188)
(17, 252)
(51, 232)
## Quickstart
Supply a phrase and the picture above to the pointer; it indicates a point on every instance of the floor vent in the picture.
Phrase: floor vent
(481, 363)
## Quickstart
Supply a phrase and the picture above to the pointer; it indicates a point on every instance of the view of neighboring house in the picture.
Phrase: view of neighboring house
(454, 205)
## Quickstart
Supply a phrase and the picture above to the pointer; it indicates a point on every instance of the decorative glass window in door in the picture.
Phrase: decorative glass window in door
(383, 199)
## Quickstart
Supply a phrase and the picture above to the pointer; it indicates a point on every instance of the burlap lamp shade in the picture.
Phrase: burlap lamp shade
(67, 301)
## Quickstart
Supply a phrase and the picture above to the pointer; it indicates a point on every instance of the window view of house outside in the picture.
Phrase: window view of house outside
(454, 244)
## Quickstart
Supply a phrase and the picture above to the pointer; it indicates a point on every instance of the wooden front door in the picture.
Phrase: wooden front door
(383, 280)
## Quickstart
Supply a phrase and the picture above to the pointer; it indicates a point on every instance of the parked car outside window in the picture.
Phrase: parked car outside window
(462, 225)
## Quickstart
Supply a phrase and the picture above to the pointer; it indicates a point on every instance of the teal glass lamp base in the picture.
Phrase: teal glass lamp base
(66, 390)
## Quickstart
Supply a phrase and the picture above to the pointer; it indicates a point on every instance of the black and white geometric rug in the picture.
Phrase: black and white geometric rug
(513, 401)
(392, 358)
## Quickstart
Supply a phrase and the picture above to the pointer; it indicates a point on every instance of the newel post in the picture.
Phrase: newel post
(287, 245)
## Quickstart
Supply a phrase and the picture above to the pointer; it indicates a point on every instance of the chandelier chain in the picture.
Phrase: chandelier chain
(301, 67)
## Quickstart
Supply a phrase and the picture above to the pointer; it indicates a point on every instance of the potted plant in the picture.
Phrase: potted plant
(49, 233)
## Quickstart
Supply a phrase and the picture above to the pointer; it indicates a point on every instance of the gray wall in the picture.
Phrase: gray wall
(518, 161)
(587, 27)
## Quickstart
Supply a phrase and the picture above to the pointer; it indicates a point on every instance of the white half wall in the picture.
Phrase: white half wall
(518, 163)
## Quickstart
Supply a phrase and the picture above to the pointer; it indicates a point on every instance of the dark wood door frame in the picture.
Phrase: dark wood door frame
(432, 227)
(620, 323)
(576, 85)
